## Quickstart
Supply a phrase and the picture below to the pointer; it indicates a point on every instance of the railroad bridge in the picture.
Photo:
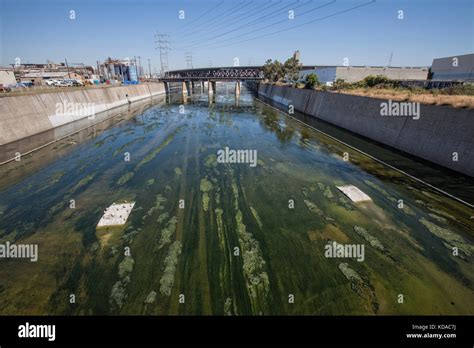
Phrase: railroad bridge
(210, 76)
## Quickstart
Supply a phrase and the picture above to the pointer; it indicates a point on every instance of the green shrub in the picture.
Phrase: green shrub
(311, 81)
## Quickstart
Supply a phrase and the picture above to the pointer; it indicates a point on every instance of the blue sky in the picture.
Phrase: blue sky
(217, 31)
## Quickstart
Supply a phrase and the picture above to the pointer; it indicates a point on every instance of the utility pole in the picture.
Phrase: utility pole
(98, 69)
(163, 44)
(139, 65)
(188, 57)
(390, 59)
(149, 68)
(67, 67)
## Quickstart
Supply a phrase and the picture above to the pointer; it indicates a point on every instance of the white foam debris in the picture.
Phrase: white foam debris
(354, 193)
(116, 214)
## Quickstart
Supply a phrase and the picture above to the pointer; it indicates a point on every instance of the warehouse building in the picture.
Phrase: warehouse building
(455, 68)
(329, 74)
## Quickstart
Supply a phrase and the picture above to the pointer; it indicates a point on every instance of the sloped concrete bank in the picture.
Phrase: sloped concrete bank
(442, 134)
(24, 116)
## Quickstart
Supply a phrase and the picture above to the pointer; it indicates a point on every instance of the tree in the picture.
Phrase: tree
(311, 81)
(373, 80)
(292, 69)
(273, 71)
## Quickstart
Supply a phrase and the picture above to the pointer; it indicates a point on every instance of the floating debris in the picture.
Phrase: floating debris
(150, 182)
(211, 161)
(328, 193)
(361, 286)
(116, 214)
(253, 262)
(150, 156)
(439, 218)
(125, 178)
(160, 199)
(151, 297)
(381, 190)
(171, 260)
(162, 218)
(354, 193)
(315, 209)
(257, 217)
(205, 201)
(178, 171)
(449, 239)
(228, 306)
(126, 267)
(167, 232)
(119, 292)
(206, 185)
(349, 273)
(374, 242)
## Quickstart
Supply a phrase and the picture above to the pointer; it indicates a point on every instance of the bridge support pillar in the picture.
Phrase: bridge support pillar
(189, 87)
(184, 87)
(202, 86)
(237, 89)
(211, 87)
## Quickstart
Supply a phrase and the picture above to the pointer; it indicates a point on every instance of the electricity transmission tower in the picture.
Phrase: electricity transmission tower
(189, 60)
(163, 44)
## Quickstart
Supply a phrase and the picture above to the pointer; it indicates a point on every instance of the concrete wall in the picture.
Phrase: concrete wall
(24, 116)
(358, 73)
(439, 131)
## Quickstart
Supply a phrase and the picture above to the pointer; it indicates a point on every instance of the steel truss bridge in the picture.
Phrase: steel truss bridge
(247, 73)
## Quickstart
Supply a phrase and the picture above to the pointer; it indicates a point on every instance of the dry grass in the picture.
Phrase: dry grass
(457, 101)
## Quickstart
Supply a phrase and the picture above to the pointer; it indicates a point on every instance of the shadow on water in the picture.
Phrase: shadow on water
(455, 183)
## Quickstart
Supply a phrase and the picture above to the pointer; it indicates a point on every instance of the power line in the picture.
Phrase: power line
(201, 16)
(299, 25)
(271, 24)
(227, 24)
(222, 16)
(264, 18)
(238, 18)
(217, 17)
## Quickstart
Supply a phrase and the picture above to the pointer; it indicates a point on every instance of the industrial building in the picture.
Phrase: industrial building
(329, 74)
(7, 77)
(455, 68)
(38, 78)
(120, 70)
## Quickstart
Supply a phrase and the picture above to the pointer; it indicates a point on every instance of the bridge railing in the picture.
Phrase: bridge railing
(202, 74)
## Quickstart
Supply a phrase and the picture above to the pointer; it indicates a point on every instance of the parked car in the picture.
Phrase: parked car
(74, 82)
(4, 89)
(21, 85)
(50, 82)
(63, 83)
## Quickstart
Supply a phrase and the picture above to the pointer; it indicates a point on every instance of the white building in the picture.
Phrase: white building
(329, 74)
(7, 77)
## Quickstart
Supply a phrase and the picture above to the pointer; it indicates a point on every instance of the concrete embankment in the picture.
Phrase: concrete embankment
(24, 116)
(443, 135)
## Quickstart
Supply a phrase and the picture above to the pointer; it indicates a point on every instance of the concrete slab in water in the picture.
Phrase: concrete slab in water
(354, 193)
(116, 214)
